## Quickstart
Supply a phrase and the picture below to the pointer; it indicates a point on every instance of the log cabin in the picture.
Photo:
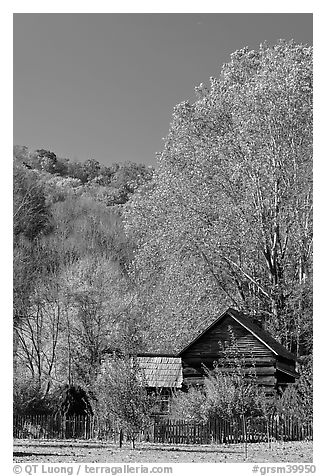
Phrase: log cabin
(275, 366)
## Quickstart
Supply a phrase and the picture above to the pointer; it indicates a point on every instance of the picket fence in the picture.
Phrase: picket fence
(231, 431)
(163, 431)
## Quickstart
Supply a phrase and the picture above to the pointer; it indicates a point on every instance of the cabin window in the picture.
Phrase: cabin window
(164, 404)
(163, 401)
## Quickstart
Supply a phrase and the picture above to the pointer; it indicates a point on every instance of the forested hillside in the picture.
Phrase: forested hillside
(72, 293)
(125, 257)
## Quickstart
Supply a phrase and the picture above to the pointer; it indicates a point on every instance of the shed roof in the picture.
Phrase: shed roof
(253, 328)
(161, 371)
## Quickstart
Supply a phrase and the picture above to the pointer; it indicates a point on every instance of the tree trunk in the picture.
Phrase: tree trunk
(269, 441)
(120, 438)
(244, 427)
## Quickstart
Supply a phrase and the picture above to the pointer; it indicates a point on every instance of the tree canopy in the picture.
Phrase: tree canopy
(227, 218)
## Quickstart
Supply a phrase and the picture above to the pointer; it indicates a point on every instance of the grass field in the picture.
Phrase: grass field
(68, 451)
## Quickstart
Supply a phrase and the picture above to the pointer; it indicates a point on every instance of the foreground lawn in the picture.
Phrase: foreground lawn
(71, 451)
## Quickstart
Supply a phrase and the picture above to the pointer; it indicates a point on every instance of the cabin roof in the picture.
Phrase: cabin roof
(161, 371)
(254, 329)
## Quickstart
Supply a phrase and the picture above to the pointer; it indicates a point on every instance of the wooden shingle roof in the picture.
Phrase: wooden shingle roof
(161, 371)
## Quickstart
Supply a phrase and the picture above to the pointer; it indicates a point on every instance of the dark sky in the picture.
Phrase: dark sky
(103, 86)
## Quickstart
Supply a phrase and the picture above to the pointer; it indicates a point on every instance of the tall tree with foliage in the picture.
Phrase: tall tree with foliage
(122, 396)
(98, 298)
(31, 213)
(227, 218)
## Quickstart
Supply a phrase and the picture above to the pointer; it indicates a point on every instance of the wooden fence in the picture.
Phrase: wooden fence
(163, 431)
(223, 431)
(59, 427)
